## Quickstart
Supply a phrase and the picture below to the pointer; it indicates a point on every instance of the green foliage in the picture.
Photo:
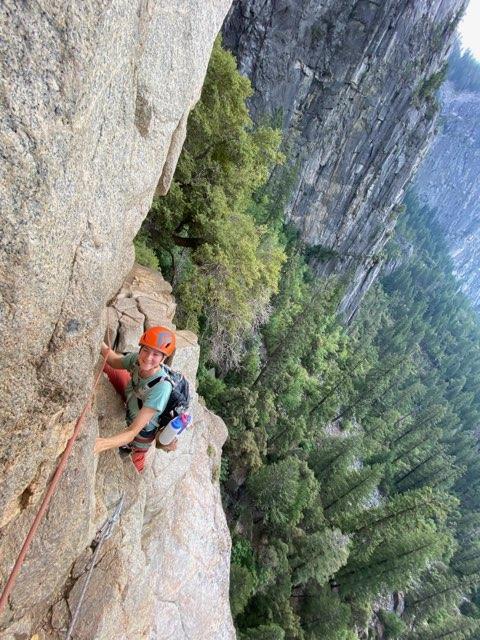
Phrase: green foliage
(318, 556)
(264, 632)
(391, 559)
(224, 265)
(144, 254)
(426, 92)
(242, 553)
(373, 503)
(320, 253)
(212, 388)
(350, 492)
(242, 583)
(282, 491)
(409, 509)
(431, 85)
(324, 615)
(381, 513)
(394, 627)
(440, 588)
(450, 626)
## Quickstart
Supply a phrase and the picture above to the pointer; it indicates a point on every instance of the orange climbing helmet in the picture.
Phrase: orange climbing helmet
(160, 338)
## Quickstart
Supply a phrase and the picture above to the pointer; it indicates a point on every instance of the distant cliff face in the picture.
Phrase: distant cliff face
(351, 83)
(94, 103)
(448, 182)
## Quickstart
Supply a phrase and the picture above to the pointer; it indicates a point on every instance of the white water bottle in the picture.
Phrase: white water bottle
(174, 428)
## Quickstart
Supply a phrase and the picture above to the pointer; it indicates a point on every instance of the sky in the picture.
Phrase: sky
(469, 28)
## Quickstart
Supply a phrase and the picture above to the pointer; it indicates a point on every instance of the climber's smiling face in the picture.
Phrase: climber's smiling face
(149, 360)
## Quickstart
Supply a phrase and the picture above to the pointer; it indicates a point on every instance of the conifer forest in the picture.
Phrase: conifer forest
(351, 474)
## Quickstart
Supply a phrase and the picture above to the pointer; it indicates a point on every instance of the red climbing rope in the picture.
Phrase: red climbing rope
(50, 491)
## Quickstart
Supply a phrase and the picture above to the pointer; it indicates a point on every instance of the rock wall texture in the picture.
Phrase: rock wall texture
(448, 183)
(94, 102)
(348, 81)
(164, 573)
(95, 98)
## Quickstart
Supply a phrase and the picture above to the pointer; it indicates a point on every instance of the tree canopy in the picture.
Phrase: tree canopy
(352, 466)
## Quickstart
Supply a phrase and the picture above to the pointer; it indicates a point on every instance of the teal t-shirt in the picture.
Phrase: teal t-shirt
(155, 397)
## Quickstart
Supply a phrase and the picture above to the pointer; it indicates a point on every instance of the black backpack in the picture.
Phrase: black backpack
(180, 397)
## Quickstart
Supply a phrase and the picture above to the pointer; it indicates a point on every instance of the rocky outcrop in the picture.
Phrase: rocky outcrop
(448, 183)
(351, 84)
(165, 571)
(95, 98)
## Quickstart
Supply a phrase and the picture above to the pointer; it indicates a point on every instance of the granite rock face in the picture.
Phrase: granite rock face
(95, 97)
(164, 573)
(348, 82)
(94, 103)
(448, 183)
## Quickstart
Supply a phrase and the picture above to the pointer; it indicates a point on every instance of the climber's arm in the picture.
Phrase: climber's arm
(121, 439)
(115, 360)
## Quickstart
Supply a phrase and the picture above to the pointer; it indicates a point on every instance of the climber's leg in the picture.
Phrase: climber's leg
(119, 379)
(138, 459)
(140, 446)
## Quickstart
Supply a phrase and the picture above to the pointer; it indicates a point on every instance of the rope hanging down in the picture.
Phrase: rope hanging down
(103, 534)
(50, 491)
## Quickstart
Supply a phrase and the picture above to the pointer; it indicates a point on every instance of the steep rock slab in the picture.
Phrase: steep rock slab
(349, 83)
(95, 97)
(165, 571)
(448, 183)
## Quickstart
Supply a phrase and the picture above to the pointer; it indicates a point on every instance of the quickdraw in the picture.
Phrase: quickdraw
(102, 534)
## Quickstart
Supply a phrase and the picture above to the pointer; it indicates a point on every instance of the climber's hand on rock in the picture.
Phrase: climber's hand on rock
(104, 349)
(170, 447)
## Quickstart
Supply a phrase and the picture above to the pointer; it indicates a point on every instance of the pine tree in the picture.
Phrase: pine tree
(350, 492)
(318, 555)
(224, 265)
(392, 560)
(448, 627)
(438, 589)
(324, 615)
(281, 491)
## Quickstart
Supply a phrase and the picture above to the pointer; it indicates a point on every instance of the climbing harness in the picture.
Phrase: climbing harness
(102, 534)
(51, 489)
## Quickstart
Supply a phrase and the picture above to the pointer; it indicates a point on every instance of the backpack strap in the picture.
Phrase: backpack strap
(155, 381)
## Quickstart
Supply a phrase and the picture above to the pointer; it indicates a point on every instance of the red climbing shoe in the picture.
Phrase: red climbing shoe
(138, 459)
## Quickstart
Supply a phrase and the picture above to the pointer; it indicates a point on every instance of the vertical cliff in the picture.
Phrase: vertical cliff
(95, 99)
(448, 183)
(352, 85)
(165, 570)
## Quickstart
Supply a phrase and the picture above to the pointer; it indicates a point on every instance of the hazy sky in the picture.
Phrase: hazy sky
(469, 28)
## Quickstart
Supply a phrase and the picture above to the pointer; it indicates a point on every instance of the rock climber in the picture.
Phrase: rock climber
(139, 379)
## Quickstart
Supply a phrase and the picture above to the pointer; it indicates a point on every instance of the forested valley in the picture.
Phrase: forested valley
(351, 473)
